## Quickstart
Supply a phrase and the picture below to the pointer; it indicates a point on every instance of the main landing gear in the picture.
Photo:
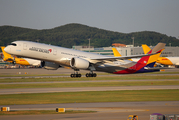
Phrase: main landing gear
(91, 74)
(75, 74)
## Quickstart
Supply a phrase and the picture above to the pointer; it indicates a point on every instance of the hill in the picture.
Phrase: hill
(77, 34)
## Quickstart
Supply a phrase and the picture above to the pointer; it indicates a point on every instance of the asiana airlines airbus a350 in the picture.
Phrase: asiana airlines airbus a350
(54, 56)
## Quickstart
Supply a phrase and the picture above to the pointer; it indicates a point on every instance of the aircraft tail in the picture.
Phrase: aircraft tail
(7, 57)
(145, 48)
(149, 61)
(145, 62)
(115, 52)
(157, 49)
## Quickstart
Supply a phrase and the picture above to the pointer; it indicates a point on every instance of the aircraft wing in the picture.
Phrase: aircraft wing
(120, 58)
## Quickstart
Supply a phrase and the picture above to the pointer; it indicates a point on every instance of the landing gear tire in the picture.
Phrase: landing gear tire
(91, 74)
(75, 75)
(94, 75)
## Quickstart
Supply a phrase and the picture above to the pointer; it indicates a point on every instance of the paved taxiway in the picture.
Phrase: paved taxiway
(35, 71)
(82, 89)
(105, 111)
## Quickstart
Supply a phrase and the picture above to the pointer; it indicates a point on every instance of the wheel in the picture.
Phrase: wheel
(90, 75)
(79, 75)
(94, 75)
(76, 75)
(87, 75)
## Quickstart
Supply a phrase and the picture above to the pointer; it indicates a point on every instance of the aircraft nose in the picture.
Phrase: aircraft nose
(7, 49)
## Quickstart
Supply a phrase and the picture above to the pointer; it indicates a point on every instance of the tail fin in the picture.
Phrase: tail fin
(7, 57)
(144, 62)
(149, 61)
(153, 58)
(116, 53)
(146, 49)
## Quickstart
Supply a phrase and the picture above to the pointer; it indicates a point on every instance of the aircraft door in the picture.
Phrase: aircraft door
(25, 46)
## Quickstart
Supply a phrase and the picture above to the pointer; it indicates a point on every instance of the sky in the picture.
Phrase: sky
(123, 16)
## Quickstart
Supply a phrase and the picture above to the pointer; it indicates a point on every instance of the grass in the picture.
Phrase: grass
(39, 112)
(86, 97)
(121, 77)
(88, 84)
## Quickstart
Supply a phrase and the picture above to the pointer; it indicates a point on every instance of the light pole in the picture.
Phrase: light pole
(133, 44)
(89, 44)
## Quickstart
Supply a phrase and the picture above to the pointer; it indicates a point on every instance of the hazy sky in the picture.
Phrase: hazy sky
(116, 15)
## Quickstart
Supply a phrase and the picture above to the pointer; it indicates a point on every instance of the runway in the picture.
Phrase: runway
(35, 71)
(105, 111)
(11, 83)
(82, 89)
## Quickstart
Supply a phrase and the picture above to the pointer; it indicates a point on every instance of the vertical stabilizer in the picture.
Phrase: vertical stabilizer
(116, 53)
(7, 57)
(145, 48)
(149, 61)
(153, 58)
(146, 61)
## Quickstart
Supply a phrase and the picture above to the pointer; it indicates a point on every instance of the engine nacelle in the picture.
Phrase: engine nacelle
(50, 65)
(79, 63)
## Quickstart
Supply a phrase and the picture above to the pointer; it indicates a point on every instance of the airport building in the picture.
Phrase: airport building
(127, 50)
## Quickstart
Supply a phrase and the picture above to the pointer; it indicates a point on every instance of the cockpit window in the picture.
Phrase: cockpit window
(13, 44)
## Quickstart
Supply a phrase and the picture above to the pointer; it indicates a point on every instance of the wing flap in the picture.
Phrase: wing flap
(121, 58)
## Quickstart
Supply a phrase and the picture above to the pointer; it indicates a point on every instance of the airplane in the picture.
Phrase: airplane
(84, 60)
(20, 61)
(163, 60)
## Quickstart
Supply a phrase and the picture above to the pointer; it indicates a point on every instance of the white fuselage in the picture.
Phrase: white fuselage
(60, 55)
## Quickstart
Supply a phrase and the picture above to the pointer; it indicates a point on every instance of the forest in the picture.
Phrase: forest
(77, 34)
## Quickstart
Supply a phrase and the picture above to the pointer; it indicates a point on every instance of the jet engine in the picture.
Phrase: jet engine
(50, 65)
(79, 63)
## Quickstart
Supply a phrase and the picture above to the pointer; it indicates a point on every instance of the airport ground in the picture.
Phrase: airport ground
(105, 110)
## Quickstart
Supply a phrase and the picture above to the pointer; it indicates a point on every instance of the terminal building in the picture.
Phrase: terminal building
(126, 50)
